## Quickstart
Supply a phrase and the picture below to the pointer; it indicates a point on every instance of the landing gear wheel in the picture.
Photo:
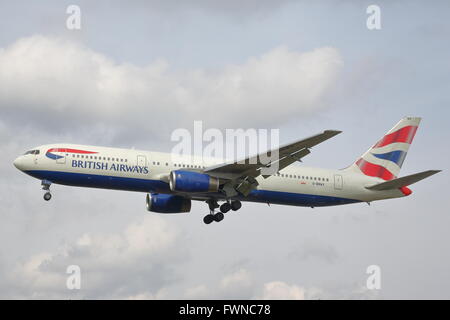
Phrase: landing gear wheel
(47, 196)
(225, 207)
(236, 205)
(218, 217)
(208, 219)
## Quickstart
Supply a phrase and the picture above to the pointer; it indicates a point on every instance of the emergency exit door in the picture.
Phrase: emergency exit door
(338, 182)
(141, 160)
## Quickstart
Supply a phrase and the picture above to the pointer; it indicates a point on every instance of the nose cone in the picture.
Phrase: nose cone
(19, 163)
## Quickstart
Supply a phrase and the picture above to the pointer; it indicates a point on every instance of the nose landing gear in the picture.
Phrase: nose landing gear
(46, 187)
(47, 196)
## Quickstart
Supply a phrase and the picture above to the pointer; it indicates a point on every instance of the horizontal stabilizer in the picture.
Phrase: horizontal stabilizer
(403, 181)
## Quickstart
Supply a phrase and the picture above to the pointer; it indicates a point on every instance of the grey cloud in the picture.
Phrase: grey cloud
(128, 264)
(230, 8)
(387, 74)
(314, 249)
(53, 84)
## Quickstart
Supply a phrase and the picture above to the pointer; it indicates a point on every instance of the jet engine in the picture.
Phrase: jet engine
(167, 203)
(188, 181)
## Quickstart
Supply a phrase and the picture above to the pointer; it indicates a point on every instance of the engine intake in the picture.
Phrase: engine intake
(167, 203)
(188, 181)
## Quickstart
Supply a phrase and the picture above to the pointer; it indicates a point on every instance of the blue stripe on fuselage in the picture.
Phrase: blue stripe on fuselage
(100, 181)
(146, 185)
(295, 199)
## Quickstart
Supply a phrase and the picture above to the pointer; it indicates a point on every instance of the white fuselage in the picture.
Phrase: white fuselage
(135, 170)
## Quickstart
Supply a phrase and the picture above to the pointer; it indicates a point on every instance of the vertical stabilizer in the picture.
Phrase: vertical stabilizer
(384, 160)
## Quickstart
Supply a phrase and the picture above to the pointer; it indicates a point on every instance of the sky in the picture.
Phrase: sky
(137, 71)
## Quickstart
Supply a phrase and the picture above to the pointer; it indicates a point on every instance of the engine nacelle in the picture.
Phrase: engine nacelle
(188, 181)
(167, 203)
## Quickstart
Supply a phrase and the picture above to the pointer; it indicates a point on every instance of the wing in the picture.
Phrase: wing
(241, 174)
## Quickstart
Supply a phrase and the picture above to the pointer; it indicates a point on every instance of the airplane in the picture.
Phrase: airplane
(171, 186)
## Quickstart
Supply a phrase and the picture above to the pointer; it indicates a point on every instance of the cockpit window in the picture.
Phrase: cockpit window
(32, 152)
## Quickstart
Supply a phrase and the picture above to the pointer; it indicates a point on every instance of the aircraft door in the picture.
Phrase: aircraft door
(35, 155)
(338, 182)
(141, 161)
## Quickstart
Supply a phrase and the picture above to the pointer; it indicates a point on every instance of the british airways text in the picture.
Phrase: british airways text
(106, 166)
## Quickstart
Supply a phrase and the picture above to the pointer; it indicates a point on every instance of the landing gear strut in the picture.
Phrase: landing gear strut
(224, 208)
(46, 187)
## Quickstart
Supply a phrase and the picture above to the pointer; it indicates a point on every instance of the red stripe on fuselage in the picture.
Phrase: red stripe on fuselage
(67, 150)
(374, 170)
(405, 135)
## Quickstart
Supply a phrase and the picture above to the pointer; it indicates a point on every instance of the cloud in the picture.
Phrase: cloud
(278, 290)
(197, 292)
(312, 249)
(133, 264)
(59, 85)
(237, 285)
(242, 284)
(231, 7)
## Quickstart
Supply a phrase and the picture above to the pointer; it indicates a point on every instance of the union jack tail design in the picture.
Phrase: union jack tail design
(386, 157)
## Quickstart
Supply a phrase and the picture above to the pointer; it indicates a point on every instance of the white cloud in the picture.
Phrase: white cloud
(237, 285)
(197, 292)
(241, 284)
(278, 290)
(61, 83)
(240, 277)
(133, 264)
(161, 294)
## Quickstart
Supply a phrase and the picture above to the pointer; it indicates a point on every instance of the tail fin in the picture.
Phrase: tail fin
(386, 157)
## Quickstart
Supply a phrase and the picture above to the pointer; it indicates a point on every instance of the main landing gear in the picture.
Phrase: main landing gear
(224, 208)
(46, 187)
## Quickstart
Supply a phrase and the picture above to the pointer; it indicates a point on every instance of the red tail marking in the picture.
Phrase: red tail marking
(405, 135)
